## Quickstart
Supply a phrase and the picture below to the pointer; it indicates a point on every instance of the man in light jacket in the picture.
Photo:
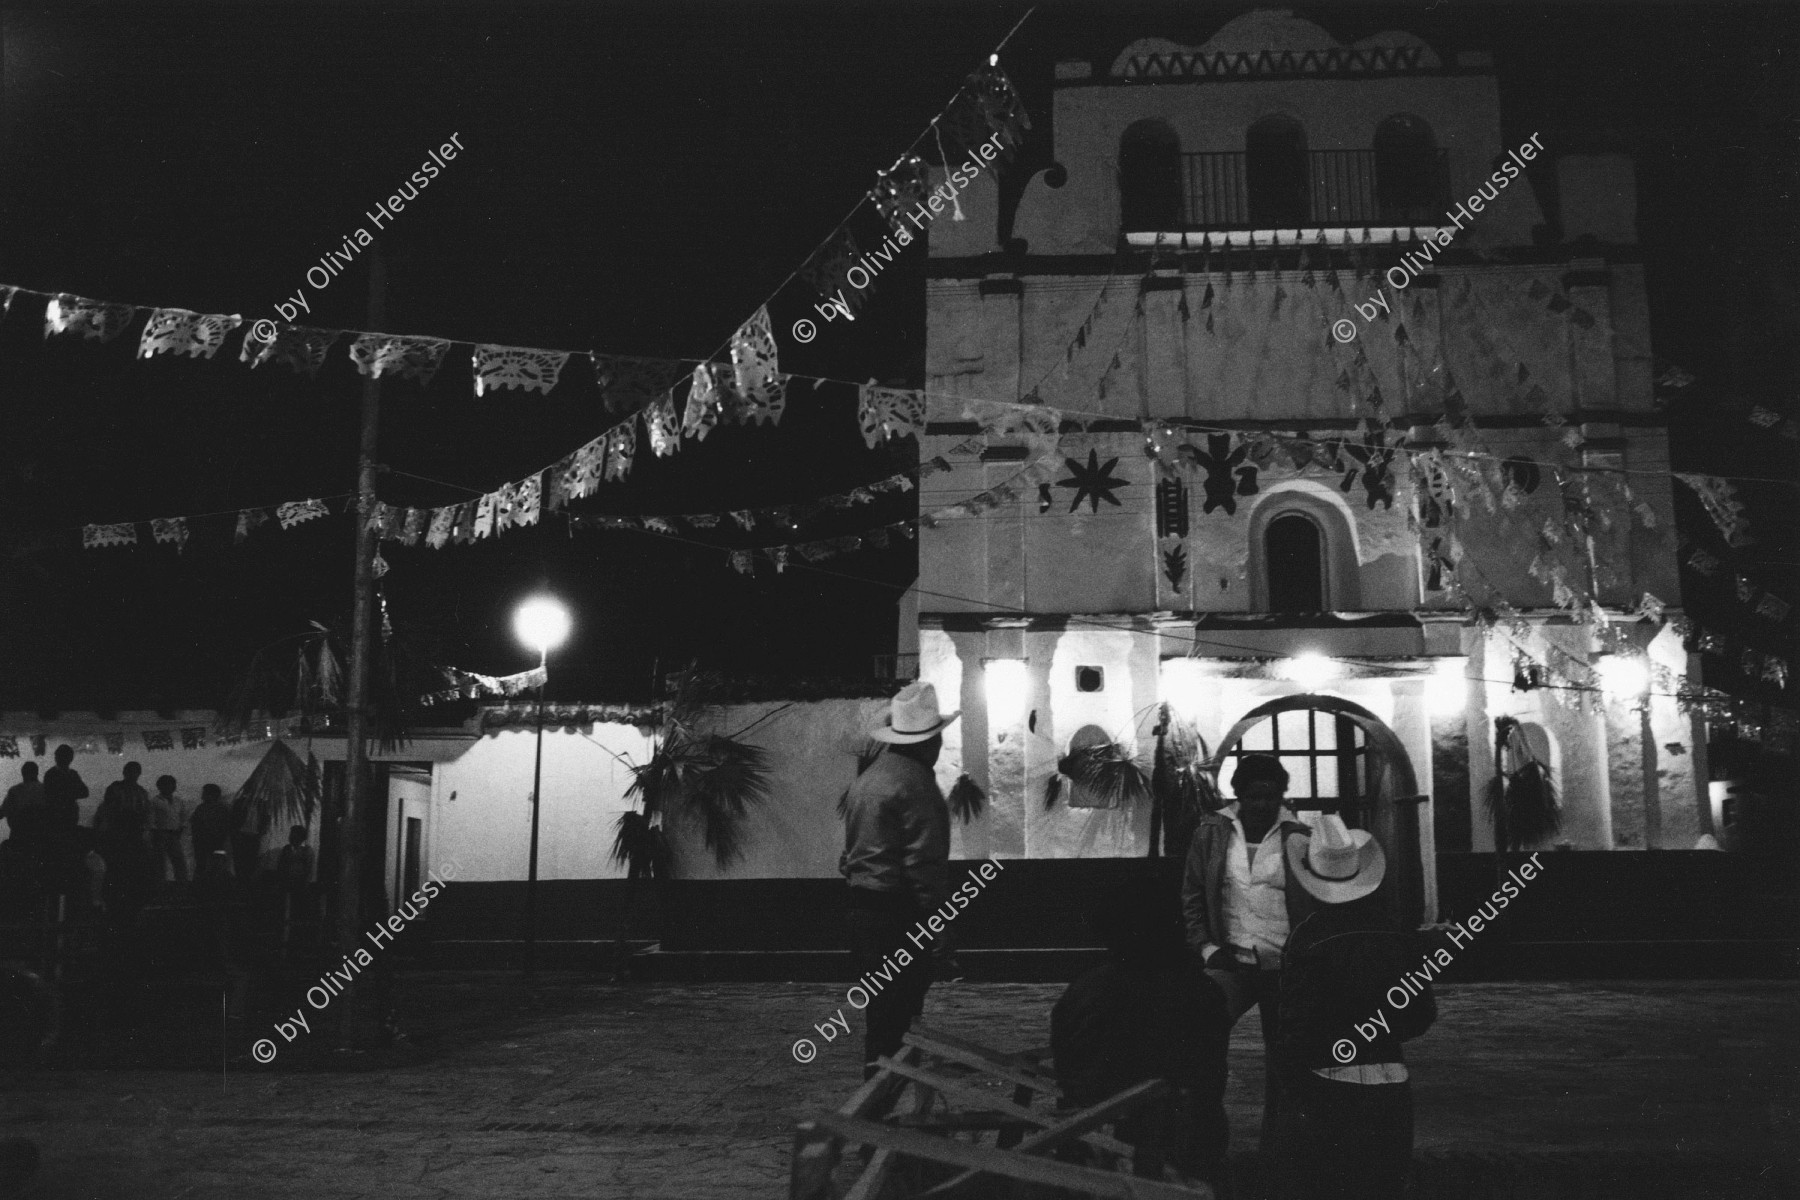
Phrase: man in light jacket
(897, 861)
(1239, 908)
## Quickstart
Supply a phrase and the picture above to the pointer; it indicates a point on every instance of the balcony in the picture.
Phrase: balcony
(1321, 188)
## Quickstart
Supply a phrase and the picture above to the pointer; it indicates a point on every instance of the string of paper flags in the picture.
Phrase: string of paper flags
(471, 685)
(747, 388)
(752, 389)
(491, 514)
(185, 737)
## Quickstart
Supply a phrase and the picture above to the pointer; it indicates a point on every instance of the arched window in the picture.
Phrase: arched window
(1409, 183)
(1150, 178)
(1325, 754)
(1275, 163)
(1294, 555)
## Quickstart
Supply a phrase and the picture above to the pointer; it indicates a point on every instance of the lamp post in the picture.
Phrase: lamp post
(542, 623)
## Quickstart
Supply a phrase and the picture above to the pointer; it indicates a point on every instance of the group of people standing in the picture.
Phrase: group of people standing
(135, 838)
(1284, 916)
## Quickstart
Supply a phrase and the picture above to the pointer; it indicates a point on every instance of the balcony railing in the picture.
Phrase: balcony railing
(1339, 187)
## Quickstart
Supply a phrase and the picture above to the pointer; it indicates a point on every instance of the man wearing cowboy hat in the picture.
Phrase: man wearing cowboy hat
(1351, 991)
(1239, 908)
(897, 860)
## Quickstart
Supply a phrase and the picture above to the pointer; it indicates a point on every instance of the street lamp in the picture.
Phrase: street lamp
(542, 623)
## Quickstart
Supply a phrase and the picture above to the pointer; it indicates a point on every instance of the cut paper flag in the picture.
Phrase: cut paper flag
(584, 469)
(988, 104)
(437, 534)
(294, 346)
(94, 319)
(761, 391)
(249, 519)
(628, 384)
(1722, 505)
(100, 536)
(378, 355)
(827, 272)
(528, 499)
(1773, 607)
(704, 403)
(295, 512)
(517, 367)
(898, 190)
(621, 449)
(662, 426)
(170, 531)
(178, 331)
(467, 685)
(889, 412)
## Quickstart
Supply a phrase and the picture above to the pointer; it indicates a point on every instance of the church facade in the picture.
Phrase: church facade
(1335, 439)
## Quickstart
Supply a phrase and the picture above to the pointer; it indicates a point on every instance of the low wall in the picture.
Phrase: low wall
(1674, 914)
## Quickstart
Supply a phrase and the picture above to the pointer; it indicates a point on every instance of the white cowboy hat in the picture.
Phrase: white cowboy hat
(1335, 863)
(912, 717)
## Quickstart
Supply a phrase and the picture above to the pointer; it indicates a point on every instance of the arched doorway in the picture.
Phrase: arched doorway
(1342, 758)
(1275, 166)
(1150, 196)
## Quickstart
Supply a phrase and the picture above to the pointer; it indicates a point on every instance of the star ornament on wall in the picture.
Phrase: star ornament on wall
(1092, 482)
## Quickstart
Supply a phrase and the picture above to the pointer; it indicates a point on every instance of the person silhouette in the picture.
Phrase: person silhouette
(24, 812)
(63, 791)
(64, 849)
(122, 822)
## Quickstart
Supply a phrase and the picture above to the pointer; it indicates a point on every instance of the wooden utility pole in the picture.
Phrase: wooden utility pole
(362, 622)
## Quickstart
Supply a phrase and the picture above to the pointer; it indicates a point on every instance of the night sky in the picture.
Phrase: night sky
(635, 180)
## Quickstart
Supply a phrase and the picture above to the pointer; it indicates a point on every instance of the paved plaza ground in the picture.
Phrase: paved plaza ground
(663, 1090)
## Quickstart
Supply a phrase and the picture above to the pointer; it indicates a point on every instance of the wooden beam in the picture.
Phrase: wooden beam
(1086, 1120)
(917, 1099)
(1083, 1180)
(982, 1059)
(815, 1157)
(978, 1098)
(879, 1090)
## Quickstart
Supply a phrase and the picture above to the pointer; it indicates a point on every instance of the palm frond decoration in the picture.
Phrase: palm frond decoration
(1179, 783)
(1521, 798)
(282, 792)
(640, 847)
(710, 779)
(310, 688)
(966, 799)
(1103, 775)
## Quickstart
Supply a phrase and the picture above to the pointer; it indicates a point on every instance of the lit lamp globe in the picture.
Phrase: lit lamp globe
(542, 624)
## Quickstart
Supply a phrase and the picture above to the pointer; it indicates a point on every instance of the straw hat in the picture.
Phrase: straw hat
(912, 717)
(1335, 863)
